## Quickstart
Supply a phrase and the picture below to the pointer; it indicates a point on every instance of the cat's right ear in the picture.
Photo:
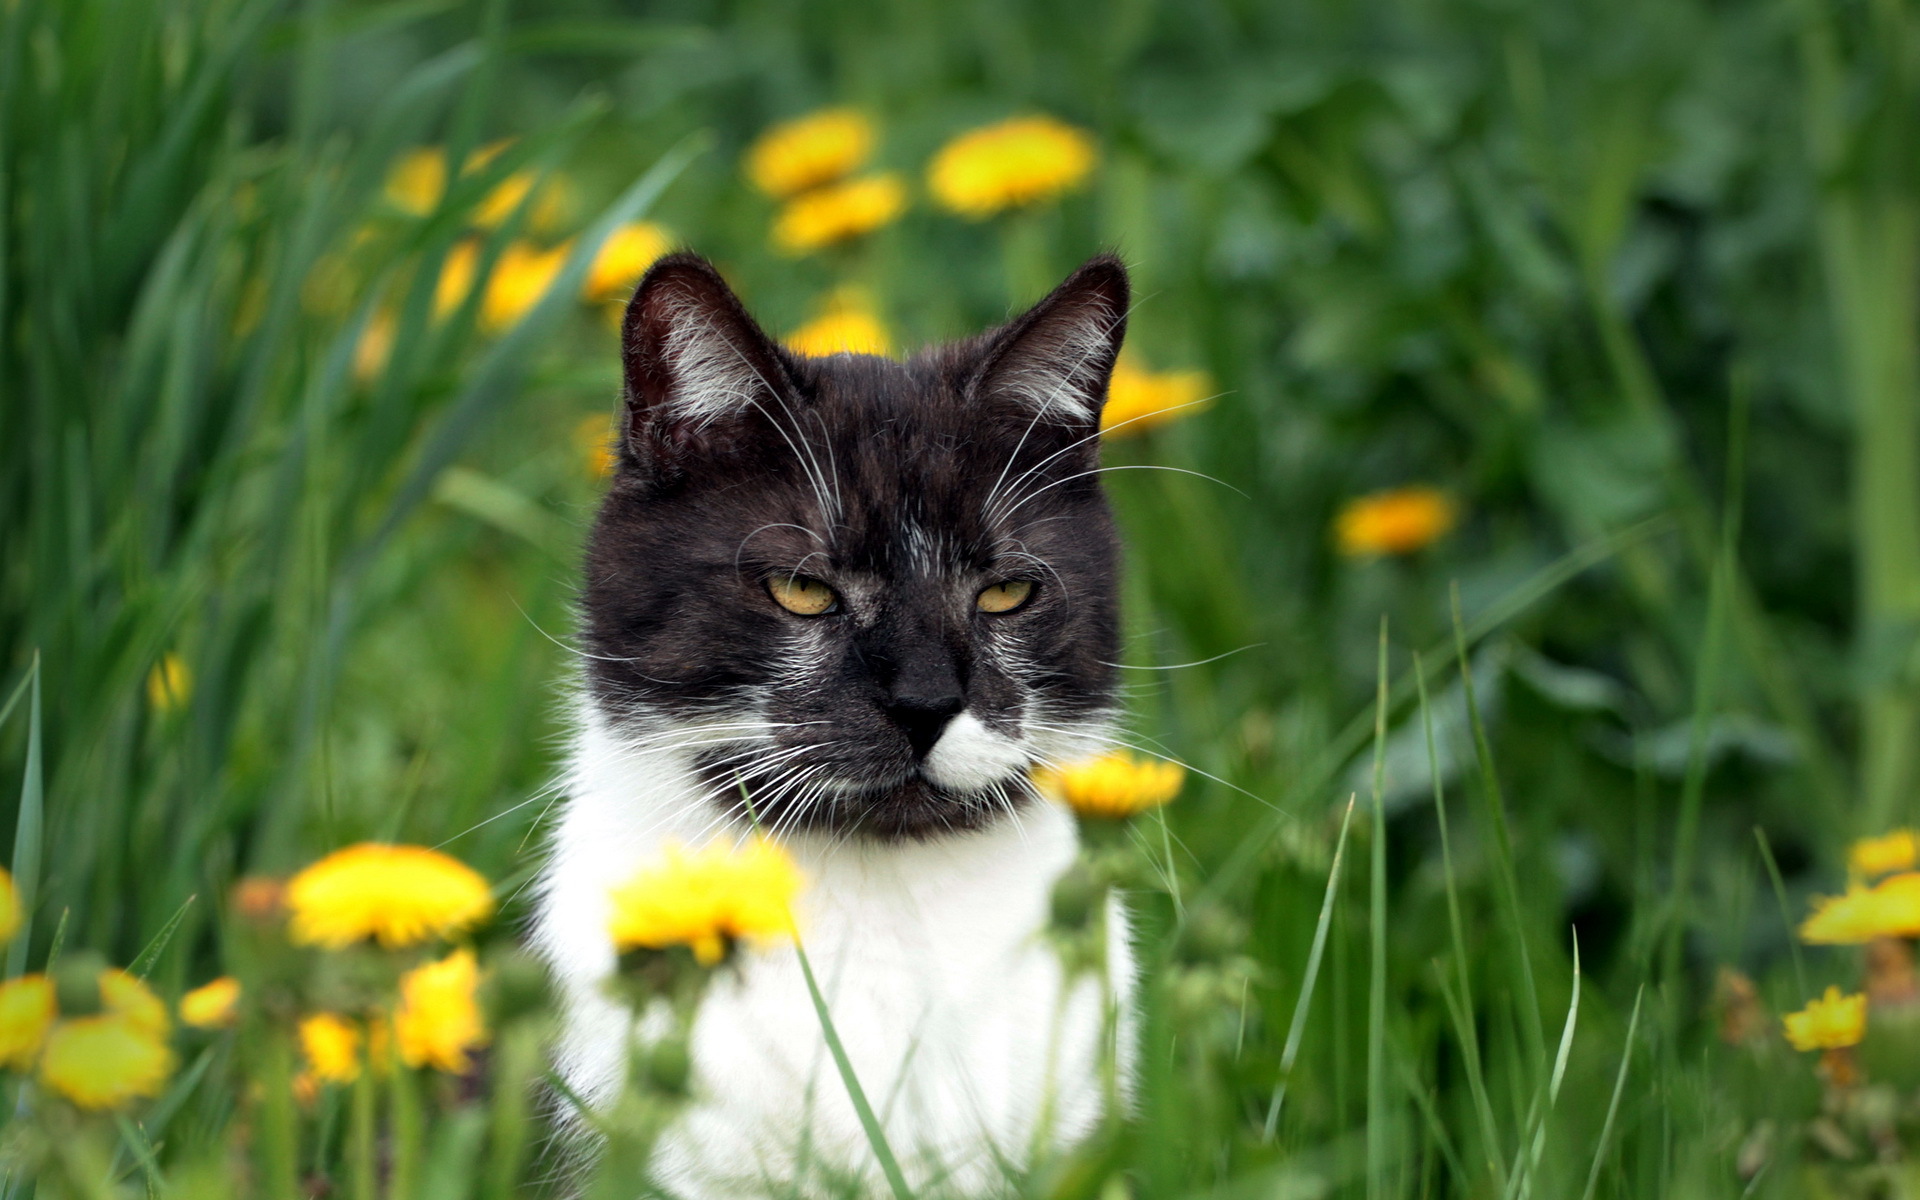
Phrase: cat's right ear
(697, 368)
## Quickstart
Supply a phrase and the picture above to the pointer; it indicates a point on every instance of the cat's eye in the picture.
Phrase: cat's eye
(1004, 597)
(802, 596)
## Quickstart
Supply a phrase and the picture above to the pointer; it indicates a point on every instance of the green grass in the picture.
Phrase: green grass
(1634, 282)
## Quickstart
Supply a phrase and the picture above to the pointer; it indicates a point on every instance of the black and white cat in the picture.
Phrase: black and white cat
(873, 594)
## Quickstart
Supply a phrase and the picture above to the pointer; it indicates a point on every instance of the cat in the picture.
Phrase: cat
(863, 597)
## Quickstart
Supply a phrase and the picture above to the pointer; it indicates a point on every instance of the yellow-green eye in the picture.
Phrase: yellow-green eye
(806, 597)
(1003, 597)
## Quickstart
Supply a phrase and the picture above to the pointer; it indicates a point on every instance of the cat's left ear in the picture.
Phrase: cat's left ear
(1054, 361)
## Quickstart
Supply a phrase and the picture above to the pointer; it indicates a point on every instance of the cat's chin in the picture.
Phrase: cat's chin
(914, 809)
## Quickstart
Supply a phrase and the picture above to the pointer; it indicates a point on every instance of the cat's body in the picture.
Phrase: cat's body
(867, 597)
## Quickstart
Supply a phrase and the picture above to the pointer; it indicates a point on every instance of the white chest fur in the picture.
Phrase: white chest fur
(972, 1045)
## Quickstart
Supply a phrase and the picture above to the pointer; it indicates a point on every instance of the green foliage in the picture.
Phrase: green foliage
(1633, 283)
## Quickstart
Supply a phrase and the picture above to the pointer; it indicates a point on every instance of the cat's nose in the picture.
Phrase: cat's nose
(923, 718)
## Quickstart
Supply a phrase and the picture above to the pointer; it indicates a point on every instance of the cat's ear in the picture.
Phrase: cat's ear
(697, 366)
(1054, 361)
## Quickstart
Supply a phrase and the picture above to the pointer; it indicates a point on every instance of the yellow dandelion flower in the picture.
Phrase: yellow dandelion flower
(1883, 855)
(457, 274)
(594, 436)
(1114, 786)
(809, 151)
(105, 1061)
(438, 1021)
(418, 180)
(169, 684)
(373, 348)
(9, 906)
(397, 895)
(331, 1045)
(839, 213)
(1018, 161)
(213, 1005)
(1891, 908)
(1832, 1022)
(706, 899)
(1397, 521)
(27, 1012)
(846, 325)
(125, 996)
(623, 258)
(548, 210)
(520, 278)
(1139, 399)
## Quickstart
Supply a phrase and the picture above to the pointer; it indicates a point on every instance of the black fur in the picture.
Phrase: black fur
(877, 477)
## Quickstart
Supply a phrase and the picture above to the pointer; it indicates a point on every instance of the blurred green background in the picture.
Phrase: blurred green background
(1632, 283)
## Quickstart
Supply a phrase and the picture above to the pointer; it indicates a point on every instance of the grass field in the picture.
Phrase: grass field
(290, 526)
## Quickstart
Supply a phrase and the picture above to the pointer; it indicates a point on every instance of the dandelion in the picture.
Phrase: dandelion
(1018, 161)
(1397, 521)
(457, 273)
(810, 151)
(595, 440)
(1139, 399)
(623, 258)
(546, 213)
(331, 1045)
(1891, 908)
(105, 1061)
(27, 1012)
(169, 684)
(129, 998)
(373, 347)
(520, 278)
(839, 213)
(707, 899)
(397, 895)
(213, 1005)
(9, 906)
(1832, 1022)
(418, 182)
(848, 325)
(438, 1021)
(1883, 855)
(1112, 787)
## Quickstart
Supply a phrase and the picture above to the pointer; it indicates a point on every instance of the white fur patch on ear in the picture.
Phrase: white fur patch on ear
(712, 377)
(1060, 372)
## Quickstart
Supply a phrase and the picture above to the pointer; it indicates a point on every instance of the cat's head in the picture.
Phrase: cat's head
(858, 593)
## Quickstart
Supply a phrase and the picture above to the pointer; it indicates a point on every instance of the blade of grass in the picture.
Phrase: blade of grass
(1377, 937)
(1613, 1105)
(27, 831)
(1534, 1144)
(143, 962)
(1304, 1001)
(876, 1137)
(1786, 916)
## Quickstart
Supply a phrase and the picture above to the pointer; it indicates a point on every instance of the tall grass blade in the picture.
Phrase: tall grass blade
(1298, 1027)
(1786, 914)
(27, 830)
(1377, 938)
(143, 963)
(1613, 1105)
(869, 1124)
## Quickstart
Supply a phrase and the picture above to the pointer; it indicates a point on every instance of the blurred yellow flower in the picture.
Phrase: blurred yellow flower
(456, 280)
(169, 684)
(259, 897)
(809, 151)
(331, 1045)
(1883, 855)
(594, 435)
(128, 997)
(520, 278)
(1890, 908)
(418, 182)
(374, 347)
(838, 213)
(847, 325)
(1397, 521)
(9, 906)
(707, 899)
(623, 258)
(398, 895)
(438, 1021)
(105, 1061)
(27, 1012)
(1832, 1022)
(1018, 161)
(1139, 399)
(1114, 786)
(212, 1005)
